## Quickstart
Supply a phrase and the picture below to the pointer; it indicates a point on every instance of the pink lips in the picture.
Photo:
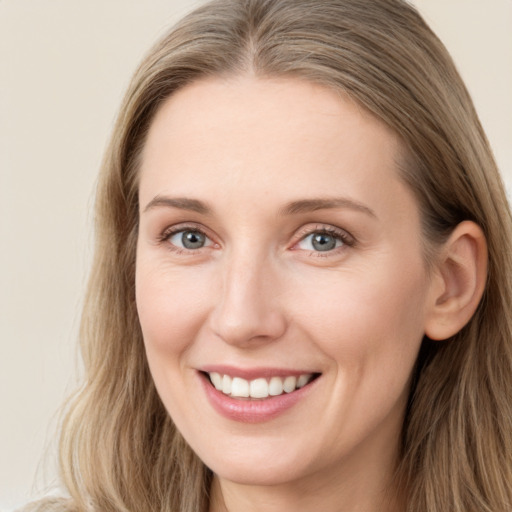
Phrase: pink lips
(251, 410)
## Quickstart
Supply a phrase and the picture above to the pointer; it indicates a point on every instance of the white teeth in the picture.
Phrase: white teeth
(216, 380)
(289, 384)
(258, 388)
(303, 380)
(240, 387)
(275, 386)
(226, 384)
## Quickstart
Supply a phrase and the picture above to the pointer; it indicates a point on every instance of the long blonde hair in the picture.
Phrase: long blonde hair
(119, 449)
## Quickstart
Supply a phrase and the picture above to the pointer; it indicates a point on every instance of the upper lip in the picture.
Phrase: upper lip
(255, 372)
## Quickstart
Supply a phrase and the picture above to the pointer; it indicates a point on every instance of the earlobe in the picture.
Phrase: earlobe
(459, 281)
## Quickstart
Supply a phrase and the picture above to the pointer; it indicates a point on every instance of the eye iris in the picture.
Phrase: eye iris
(323, 242)
(192, 240)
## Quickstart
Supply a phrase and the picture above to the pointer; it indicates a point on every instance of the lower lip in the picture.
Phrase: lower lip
(252, 411)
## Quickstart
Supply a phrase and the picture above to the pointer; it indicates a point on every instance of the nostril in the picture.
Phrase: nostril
(248, 328)
(247, 312)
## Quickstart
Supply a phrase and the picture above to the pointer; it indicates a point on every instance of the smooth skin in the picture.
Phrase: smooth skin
(275, 232)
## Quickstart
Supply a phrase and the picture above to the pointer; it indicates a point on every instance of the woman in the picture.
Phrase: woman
(301, 287)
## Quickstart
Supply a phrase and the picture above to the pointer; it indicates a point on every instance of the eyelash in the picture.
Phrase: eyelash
(345, 238)
(174, 230)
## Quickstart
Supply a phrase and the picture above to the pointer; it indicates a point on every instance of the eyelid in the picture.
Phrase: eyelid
(170, 231)
(207, 242)
(346, 238)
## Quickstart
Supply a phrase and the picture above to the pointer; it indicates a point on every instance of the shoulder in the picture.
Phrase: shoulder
(50, 505)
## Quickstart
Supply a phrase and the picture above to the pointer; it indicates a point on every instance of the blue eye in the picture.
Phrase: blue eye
(320, 241)
(189, 239)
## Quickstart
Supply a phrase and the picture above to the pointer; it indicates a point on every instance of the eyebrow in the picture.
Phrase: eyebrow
(292, 208)
(312, 205)
(182, 203)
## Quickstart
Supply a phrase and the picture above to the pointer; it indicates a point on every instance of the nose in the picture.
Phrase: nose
(248, 312)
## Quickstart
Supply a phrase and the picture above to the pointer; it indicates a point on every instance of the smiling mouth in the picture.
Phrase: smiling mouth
(260, 388)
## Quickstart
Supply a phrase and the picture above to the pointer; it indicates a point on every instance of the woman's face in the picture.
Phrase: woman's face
(279, 256)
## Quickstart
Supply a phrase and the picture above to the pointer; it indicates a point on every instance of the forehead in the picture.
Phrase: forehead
(258, 134)
(207, 109)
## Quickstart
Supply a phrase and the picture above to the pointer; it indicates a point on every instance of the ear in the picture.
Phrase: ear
(458, 282)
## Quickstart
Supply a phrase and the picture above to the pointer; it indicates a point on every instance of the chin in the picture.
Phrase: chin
(261, 465)
(250, 473)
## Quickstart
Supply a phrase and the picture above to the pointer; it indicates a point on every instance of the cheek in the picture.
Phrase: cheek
(370, 318)
(171, 311)
(371, 333)
(172, 307)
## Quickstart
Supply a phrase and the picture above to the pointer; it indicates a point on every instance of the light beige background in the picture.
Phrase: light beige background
(63, 67)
